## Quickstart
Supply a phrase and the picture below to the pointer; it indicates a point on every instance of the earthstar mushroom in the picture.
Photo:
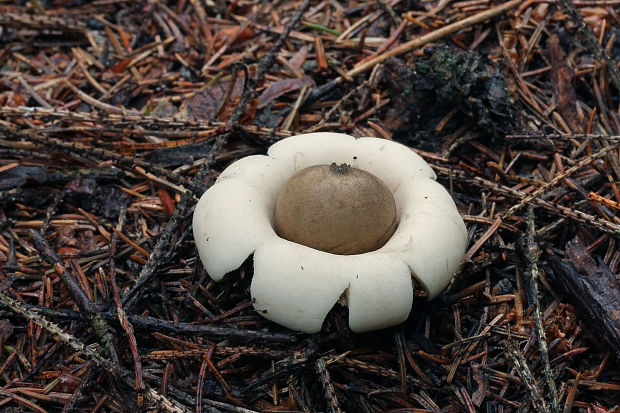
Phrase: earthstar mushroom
(248, 211)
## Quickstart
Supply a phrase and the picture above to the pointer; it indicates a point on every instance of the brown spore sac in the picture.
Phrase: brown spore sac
(337, 209)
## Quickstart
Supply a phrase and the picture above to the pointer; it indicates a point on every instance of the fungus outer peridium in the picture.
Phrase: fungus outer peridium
(298, 285)
(336, 209)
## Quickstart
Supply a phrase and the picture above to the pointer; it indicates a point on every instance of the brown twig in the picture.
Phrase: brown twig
(560, 177)
(122, 317)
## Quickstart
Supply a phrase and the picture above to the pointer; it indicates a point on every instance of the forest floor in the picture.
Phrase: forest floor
(115, 116)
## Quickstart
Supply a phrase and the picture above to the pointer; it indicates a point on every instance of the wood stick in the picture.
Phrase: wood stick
(435, 35)
(414, 44)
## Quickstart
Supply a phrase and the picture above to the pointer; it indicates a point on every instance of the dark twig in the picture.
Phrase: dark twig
(101, 327)
(528, 380)
(532, 253)
(122, 316)
(78, 393)
(328, 388)
(560, 177)
(201, 377)
(96, 153)
(163, 402)
(152, 324)
(592, 43)
(553, 137)
(582, 217)
(402, 345)
(36, 318)
(164, 241)
(266, 63)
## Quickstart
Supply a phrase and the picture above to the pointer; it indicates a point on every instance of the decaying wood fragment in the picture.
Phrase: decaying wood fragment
(592, 289)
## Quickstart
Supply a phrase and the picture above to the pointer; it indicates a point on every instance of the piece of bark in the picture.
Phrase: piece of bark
(563, 88)
(593, 290)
